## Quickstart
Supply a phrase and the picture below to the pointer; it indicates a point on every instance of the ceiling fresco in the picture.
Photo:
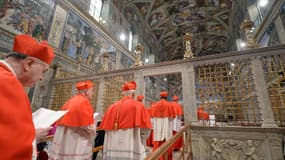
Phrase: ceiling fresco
(169, 20)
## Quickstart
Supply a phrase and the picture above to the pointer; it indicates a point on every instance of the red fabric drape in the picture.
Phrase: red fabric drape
(16, 125)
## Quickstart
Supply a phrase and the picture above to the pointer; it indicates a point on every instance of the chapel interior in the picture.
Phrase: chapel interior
(227, 56)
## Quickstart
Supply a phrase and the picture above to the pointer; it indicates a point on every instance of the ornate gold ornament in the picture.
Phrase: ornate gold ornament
(248, 27)
(138, 51)
(187, 43)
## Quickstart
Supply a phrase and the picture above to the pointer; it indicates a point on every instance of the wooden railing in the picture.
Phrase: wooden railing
(162, 150)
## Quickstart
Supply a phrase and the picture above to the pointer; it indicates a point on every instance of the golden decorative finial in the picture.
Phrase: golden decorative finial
(248, 27)
(138, 50)
(105, 61)
(187, 43)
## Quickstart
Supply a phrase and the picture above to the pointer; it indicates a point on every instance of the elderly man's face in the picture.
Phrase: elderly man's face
(33, 71)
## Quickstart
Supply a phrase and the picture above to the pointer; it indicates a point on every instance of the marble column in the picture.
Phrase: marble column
(189, 94)
(262, 93)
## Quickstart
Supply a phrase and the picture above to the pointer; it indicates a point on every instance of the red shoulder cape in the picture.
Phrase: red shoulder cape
(178, 108)
(163, 109)
(80, 112)
(126, 113)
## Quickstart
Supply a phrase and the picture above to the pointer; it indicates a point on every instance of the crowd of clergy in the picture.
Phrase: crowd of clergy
(128, 125)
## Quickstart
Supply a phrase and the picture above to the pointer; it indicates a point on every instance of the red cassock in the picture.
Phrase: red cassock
(200, 113)
(150, 138)
(178, 108)
(16, 125)
(126, 113)
(178, 143)
(162, 109)
(205, 115)
(80, 112)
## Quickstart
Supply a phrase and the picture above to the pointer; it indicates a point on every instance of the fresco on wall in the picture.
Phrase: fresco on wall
(57, 26)
(178, 6)
(83, 43)
(118, 4)
(6, 41)
(29, 17)
(126, 62)
(185, 16)
(158, 33)
(157, 4)
(130, 14)
(156, 18)
(282, 14)
(214, 44)
(168, 39)
(143, 7)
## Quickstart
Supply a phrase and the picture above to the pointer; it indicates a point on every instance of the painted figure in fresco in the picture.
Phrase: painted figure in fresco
(80, 43)
(144, 9)
(31, 25)
(66, 39)
(54, 32)
(79, 48)
(90, 55)
(24, 23)
(129, 14)
(90, 42)
(27, 17)
(3, 8)
(72, 48)
(38, 31)
(154, 20)
(215, 2)
(85, 54)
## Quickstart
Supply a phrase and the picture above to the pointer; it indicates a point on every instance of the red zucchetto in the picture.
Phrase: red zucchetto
(175, 98)
(83, 85)
(129, 86)
(163, 94)
(27, 45)
(140, 98)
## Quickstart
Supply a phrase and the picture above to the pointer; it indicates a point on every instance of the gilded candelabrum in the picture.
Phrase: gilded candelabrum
(138, 51)
(105, 62)
(248, 27)
(187, 43)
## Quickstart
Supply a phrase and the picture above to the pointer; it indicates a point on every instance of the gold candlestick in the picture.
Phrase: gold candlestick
(187, 43)
(138, 51)
(248, 27)
(105, 61)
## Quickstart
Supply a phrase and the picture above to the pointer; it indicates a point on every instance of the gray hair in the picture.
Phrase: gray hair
(84, 91)
(129, 92)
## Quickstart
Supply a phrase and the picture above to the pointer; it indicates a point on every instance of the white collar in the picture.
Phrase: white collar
(9, 66)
